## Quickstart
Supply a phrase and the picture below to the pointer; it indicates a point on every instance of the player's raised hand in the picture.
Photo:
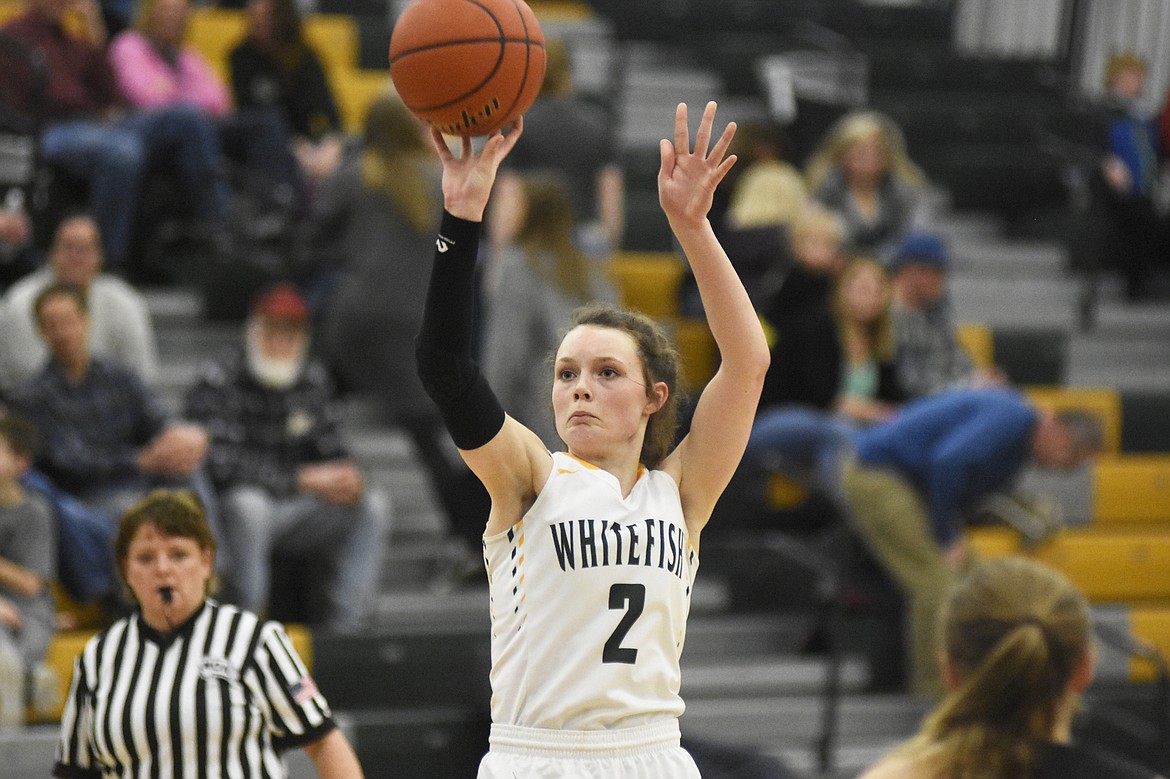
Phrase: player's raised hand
(468, 177)
(687, 178)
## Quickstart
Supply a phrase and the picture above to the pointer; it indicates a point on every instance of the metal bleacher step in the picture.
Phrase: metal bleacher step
(794, 721)
(1047, 303)
(764, 676)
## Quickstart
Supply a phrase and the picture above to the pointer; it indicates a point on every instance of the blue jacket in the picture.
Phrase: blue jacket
(955, 447)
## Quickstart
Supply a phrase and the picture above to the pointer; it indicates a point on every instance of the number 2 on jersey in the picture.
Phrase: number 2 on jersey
(632, 598)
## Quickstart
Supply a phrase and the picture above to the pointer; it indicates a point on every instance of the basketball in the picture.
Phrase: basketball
(467, 67)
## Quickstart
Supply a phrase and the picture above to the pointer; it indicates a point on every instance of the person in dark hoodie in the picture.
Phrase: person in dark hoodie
(798, 425)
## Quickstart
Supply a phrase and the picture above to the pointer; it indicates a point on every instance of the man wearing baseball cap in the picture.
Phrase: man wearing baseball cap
(283, 475)
(928, 355)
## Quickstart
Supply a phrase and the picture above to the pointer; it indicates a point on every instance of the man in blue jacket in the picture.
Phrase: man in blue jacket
(913, 477)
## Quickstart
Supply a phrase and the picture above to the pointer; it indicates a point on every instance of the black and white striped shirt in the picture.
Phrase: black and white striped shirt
(220, 697)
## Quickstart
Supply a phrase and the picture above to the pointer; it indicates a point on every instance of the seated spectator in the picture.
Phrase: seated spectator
(371, 221)
(154, 69)
(1138, 237)
(285, 481)
(91, 138)
(795, 429)
(592, 172)
(869, 391)
(912, 478)
(860, 172)
(120, 329)
(769, 190)
(28, 557)
(928, 355)
(1017, 653)
(540, 277)
(275, 67)
(106, 439)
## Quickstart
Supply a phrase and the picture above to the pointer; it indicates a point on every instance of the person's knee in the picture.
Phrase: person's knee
(123, 151)
(247, 512)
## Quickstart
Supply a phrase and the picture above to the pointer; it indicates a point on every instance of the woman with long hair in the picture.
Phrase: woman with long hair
(540, 276)
(591, 552)
(1017, 654)
(861, 172)
(869, 390)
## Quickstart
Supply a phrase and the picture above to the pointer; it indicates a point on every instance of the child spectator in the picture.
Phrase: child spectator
(27, 565)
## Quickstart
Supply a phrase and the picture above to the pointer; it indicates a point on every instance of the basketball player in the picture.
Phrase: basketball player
(591, 553)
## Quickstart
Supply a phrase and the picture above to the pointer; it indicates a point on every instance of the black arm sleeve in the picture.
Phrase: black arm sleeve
(470, 409)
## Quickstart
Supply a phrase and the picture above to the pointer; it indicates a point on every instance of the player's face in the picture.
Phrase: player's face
(599, 392)
(156, 560)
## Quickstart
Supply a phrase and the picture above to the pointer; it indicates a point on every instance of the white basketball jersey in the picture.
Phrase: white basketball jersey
(589, 599)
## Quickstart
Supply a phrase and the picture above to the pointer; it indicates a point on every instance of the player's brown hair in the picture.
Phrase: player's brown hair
(1014, 631)
(660, 362)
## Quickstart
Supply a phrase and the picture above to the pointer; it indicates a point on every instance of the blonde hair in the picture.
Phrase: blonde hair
(858, 126)
(396, 161)
(1015, 631)
(546, 237)
(819, 221)
(881, 330)
(1122, 62)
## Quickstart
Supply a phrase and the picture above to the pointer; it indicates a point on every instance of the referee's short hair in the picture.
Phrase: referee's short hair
(173, 512)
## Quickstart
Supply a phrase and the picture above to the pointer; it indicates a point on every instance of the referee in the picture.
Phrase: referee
(186, 687)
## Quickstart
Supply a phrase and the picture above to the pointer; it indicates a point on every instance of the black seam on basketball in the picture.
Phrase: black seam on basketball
(501, 39)
(444, 44)
(504, 41)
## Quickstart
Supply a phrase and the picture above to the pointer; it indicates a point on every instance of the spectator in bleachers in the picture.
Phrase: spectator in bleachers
(540, 276)
(769, 191)
(1139, 238)
(1017, 653)
(120, 329)
(284, 478)
(90, 137)
(370, 222)
(154, 68)
(106, 438)
(928, 355)
(831, 352)
(755, 223)
(861, 172)
(592, 172)
(28, 558)
(912, 477)
(275, 67)
(869, 391)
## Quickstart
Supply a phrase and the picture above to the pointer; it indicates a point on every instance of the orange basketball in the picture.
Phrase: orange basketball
(467, 67)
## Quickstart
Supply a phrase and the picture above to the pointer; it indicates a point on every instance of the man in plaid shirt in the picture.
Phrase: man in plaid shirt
(107, 440)
(280, 467)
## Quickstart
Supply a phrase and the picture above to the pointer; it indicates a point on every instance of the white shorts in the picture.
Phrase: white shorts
(643, 752)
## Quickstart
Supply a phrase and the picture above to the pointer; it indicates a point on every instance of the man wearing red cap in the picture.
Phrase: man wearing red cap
(280, 467)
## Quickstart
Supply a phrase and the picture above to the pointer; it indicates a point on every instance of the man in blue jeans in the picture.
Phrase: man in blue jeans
(89, 135)
(912, 477)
